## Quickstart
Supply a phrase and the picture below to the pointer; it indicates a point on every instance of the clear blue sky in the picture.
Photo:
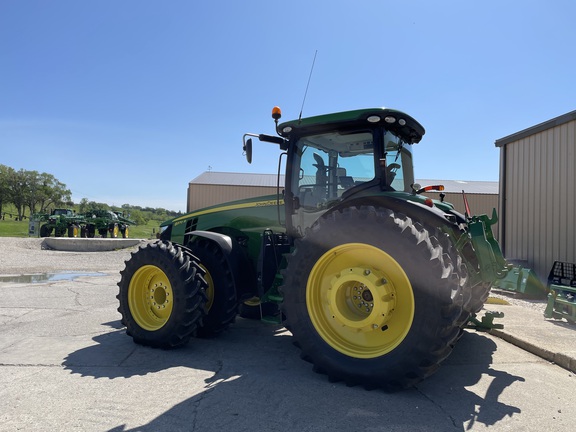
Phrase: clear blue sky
(127, 101)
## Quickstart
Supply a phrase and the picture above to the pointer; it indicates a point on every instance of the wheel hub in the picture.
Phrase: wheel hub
(361, 298)
(159, 296)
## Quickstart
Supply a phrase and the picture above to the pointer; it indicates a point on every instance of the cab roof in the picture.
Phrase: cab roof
(401, 123)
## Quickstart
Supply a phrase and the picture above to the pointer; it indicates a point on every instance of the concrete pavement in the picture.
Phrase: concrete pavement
(552, 340)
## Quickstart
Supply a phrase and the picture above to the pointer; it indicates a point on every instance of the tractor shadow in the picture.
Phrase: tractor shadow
(251, 378)
(115, 355)
(470, 363)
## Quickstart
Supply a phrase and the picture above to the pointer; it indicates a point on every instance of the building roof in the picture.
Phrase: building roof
(270, 180)
(556, 121)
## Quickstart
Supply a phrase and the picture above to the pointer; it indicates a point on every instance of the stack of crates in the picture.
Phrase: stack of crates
(562, 296)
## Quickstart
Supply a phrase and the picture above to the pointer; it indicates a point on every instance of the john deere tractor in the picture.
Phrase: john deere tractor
(374, 280)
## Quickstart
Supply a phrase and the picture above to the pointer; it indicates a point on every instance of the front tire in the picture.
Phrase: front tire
(45, 230)
(162, 295)
(372, 299)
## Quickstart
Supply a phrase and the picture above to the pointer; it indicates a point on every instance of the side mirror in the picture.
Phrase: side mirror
(248, 150)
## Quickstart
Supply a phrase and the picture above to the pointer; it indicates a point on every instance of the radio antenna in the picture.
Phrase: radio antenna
(307, 85)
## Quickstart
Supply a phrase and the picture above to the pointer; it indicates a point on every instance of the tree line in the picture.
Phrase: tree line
(33, 192)
(31, 189)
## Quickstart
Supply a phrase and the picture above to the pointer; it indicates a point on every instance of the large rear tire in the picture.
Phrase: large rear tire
(372, 299)
(222, 305)
(162, 295)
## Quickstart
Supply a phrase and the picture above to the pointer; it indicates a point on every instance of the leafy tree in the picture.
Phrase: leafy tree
(138, 217)
(93, 205)
(18, 190)
(48, 191)
(5, 173)
(83, 207)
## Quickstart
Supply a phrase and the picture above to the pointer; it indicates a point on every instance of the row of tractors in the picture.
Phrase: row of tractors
(65, 222)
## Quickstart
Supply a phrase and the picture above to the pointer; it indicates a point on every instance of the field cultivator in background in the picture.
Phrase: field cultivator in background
(66, 223)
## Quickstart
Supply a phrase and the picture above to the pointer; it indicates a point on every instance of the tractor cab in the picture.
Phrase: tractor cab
(334, 157)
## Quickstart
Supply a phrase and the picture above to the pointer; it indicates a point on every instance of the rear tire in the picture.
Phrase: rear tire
(380, 311)
(73, 230)
(114, 230)
(162, 295)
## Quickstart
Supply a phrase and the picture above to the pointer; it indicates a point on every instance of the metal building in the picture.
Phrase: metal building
(211, 188)
(538, 194)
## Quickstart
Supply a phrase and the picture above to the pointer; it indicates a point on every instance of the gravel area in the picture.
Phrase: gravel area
(516, 300)
(20, 256)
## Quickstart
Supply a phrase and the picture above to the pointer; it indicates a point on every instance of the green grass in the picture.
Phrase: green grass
(12, 228)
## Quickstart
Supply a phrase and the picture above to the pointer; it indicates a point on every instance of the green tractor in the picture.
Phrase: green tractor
(61, 222)
(374, 280)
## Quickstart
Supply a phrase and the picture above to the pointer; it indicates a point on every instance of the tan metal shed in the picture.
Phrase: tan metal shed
(211, 188)
(538, 194)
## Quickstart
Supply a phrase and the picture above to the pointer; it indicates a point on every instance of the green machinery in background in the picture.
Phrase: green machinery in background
(66, 223)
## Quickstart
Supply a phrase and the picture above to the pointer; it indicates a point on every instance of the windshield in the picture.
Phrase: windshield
(334, 162)
(330, 164)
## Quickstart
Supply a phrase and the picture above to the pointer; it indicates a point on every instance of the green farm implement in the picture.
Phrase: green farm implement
(105, 223)
(375, 280)
(562, 296)
(65, 222)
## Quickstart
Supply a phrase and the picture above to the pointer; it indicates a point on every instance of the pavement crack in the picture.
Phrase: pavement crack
(76, 296)
(127, 356)
(441, 408)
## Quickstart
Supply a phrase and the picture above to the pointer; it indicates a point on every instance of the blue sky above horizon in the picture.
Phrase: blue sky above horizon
(127, 101)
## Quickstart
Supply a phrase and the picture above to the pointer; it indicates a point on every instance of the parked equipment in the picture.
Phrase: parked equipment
(65, 222)
(562, 296)
(61, 222)
(106, 223)
(374, 280)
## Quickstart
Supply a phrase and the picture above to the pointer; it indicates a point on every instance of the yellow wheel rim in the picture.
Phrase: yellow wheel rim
(115, 231)
(150, 298)
(253, 301)
(209, 288)
(126, 232)
(360, 300)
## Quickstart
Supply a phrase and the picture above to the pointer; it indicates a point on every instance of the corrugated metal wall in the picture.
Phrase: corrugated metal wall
(204, 195)
(538, 190)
